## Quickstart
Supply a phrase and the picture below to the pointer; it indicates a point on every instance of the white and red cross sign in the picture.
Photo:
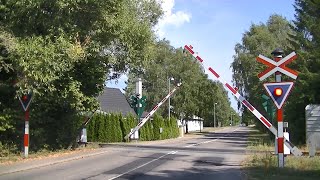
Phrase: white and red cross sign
(279, 66)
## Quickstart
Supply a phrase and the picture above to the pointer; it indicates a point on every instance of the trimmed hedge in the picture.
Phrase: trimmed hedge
(114, 127)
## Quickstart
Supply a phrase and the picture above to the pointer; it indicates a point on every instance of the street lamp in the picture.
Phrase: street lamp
(169, 80)
(214, 114)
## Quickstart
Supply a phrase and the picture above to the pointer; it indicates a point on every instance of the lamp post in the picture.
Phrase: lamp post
(214, 114)
(169, 80)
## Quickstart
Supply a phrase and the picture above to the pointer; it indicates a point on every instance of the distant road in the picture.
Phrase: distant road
(206, 156)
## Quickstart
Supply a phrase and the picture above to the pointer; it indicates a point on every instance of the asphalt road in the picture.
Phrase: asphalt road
(207, 156)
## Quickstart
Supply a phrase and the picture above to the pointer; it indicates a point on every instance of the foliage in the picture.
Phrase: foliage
(302, 36)
(264, 165)
(64, 51)
(307, 86)
(114, 127)
(259, 39)
(197, 94)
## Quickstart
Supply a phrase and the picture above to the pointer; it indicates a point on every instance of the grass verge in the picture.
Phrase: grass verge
(44, 153)
(261, 164)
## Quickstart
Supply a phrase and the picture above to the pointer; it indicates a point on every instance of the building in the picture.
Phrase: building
(192, 124)
(112, 100)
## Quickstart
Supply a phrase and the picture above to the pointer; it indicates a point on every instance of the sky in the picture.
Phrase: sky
(213, 27)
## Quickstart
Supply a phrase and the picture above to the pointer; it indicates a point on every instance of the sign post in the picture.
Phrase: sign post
(25, 102)
(145, 119)
(278, 90)
(294, 150)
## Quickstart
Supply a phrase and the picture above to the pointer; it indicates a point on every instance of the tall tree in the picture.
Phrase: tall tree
(261, 38)
(64, 52)
(197, 94)
(307, 44)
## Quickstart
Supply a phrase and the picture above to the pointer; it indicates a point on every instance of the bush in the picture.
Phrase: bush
(157, 124)
(146, 132)
(114, 127)
(126, 124)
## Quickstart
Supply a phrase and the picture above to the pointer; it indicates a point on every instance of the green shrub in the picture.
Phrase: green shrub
(117, 128)
(102, 136)
(90, 129)
(114, 127)
(147, 132)
(126, 124)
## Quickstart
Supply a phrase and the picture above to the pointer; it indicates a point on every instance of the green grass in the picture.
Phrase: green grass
(258, 141)
(262, 164)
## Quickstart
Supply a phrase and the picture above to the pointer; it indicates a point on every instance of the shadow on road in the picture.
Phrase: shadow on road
(202, 168)
(238, 139)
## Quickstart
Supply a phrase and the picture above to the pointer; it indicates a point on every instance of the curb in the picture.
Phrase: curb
(8, 169)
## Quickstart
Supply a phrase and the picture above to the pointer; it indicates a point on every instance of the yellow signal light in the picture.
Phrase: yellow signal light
(277, 92)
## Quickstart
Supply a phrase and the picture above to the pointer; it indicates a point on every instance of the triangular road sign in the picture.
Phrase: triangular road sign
(25, 101)
(284, 87)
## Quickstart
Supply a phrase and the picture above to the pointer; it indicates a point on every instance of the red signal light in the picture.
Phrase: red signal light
(24, 98)
(277, 92)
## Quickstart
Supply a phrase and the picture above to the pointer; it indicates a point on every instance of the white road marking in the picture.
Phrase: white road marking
(171, 152)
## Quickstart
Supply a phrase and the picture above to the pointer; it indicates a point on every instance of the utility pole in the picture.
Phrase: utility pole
(169, 83)
(214, 114)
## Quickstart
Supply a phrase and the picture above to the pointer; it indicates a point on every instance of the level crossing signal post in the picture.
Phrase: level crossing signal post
(25, 101)
(293, 149)
(138, 104)
(278, 90)
(155, 108)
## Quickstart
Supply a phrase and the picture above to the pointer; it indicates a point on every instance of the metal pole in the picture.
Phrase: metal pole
(169, 79)
(280, 141)
(139, 92)
(26, 133)
(169, 99)
(214, 114)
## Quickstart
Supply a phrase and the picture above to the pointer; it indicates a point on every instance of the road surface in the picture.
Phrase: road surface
(215, 155)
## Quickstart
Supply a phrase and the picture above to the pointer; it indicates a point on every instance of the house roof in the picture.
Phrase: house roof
(112, 100)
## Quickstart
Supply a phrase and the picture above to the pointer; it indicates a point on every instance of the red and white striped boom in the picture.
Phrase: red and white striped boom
(246, 103)
(144, 120)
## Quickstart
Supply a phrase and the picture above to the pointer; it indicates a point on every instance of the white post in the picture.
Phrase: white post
(139, 87)
(138, 92)
(169, 79)
(169, 99)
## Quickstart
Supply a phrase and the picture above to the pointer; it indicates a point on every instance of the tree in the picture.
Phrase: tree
(307, 86)
(260, 39)
(64, 51)
(197, 93)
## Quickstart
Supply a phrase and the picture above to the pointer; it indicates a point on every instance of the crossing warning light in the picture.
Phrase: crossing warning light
(278, 92)
(26, 100)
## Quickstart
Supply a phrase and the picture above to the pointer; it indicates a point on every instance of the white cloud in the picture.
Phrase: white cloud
(170, 18)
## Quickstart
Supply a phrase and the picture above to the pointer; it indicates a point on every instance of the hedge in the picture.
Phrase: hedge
(114, 127)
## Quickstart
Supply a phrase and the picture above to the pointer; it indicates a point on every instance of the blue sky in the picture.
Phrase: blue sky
(213, 27)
